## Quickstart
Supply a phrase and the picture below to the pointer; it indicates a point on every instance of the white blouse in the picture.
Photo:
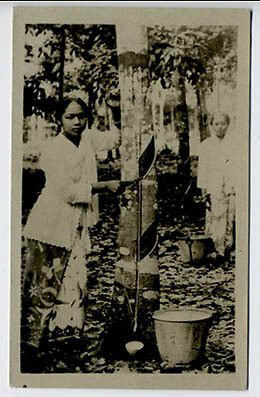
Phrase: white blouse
(69, 173)
(216, 166)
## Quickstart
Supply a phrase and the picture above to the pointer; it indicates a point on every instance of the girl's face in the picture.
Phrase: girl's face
(74, 120)
(220, 126)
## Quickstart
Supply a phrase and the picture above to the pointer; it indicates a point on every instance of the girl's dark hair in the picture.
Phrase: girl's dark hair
(225, 115)
(62, 106)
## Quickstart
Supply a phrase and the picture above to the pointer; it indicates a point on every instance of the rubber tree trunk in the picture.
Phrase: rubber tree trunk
(136, 288)
(202, 115)
(182, 125)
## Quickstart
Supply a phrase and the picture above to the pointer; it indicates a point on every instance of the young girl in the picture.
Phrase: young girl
(215, 178)
(57, 235)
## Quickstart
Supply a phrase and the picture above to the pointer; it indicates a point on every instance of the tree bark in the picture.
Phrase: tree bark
(202, 115)
(182, 125)
(136, 288)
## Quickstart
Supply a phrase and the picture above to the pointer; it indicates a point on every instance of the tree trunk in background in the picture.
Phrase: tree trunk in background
(202, 115)
(182, 125)
(136, 273)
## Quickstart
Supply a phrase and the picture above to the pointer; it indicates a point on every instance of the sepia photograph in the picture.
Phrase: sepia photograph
(130, 198)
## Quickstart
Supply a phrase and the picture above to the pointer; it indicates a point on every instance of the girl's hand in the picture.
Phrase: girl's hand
(113, 186)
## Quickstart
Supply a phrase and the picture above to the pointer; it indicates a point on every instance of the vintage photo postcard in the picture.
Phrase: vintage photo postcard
(130, 184)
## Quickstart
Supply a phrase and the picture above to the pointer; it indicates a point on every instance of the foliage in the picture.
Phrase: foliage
(91, 59)
(42, 59)
(198, 54)
(90, 63)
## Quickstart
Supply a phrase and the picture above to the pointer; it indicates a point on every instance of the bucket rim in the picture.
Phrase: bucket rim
(209, 313)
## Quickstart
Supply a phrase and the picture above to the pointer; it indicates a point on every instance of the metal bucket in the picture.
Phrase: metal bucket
(181, 335)
(193, 249)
